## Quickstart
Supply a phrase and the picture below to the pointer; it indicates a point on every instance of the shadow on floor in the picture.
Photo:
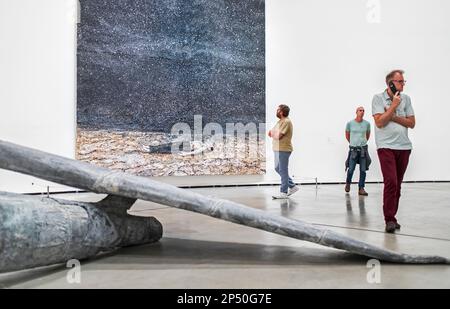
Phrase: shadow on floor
(18, 277)
(174, 251)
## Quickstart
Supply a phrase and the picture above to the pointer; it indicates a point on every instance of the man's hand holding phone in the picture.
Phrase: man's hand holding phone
(396, 100)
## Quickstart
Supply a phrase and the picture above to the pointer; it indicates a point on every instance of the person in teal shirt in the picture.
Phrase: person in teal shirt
(357, 133)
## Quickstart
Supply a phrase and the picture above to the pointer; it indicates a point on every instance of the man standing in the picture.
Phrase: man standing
(282, 147)
(357, 133)
(394, 115)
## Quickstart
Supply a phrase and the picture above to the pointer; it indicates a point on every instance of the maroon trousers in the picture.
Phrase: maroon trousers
(393, 166)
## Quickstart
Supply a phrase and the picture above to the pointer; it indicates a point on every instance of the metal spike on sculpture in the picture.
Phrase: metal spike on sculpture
(101, 180)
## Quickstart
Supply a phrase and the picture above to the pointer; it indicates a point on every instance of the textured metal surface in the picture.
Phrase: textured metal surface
(85, 176)
(39, 231)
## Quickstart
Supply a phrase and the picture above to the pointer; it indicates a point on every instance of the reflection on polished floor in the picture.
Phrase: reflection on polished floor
(197, 251)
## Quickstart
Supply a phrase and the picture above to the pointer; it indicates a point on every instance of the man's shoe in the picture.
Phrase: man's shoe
(390, 227)
(363, 192)
(397, 226)
(293, 190)
(347, 187)
(281, 196)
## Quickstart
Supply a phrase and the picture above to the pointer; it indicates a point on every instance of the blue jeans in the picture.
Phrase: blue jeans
(281, 167)
(351, 169)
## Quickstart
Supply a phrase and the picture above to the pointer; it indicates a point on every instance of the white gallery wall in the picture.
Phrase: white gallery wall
(323, 58)
(37, 78)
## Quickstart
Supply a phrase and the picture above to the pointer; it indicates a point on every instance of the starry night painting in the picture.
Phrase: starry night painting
(145, 66)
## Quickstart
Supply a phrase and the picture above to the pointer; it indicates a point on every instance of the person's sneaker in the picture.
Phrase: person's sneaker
(390, 227)
(293, 190)
(281, 196)
(397, 226)
(362, 192)
(347, 187)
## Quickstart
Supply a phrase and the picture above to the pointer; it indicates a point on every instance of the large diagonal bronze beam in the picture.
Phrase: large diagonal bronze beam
(100, 180)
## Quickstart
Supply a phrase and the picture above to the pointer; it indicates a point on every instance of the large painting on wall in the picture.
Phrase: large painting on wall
(172, 87)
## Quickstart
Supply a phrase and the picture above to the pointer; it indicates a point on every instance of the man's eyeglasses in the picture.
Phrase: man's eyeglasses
(400, 81)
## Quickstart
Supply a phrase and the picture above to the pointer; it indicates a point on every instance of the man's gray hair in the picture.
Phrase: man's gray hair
(391, 75)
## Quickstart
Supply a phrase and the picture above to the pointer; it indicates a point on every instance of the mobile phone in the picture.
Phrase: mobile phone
(392, 87)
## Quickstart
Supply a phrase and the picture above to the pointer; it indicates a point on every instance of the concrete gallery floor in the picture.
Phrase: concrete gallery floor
(202, 252)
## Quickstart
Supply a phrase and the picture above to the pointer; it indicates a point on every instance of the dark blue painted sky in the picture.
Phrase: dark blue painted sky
(147, 64)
